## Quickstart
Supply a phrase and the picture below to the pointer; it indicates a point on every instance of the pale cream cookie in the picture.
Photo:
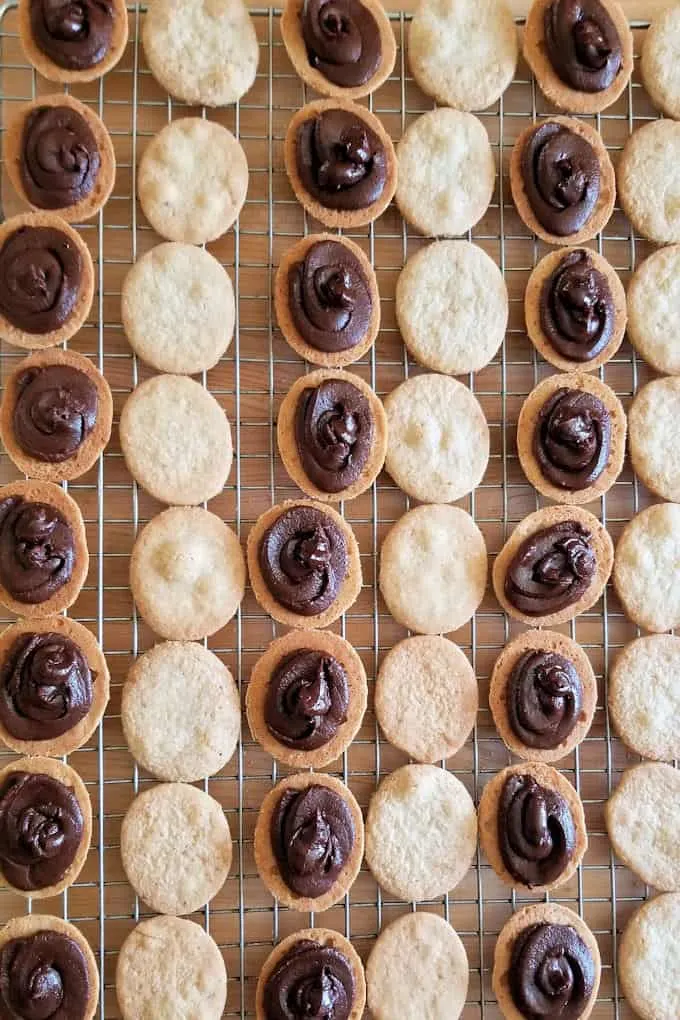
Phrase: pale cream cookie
(73, 45)
(648, 959)
(654, 437)
(654, 309)
(644, 696)
(645, 568)
(660, 60)
(648, 178)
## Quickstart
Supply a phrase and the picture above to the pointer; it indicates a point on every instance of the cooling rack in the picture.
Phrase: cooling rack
(250, 382)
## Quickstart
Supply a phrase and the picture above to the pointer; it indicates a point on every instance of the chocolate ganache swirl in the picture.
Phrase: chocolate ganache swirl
(334, 430)
(535, 831)
(572, 439)
(312, 833)
(583, 44)
(311, 982)
(576, 308)
(55, 411)
(561, 174)
(551, 570)
(329, 298)
(552, 972)
(40, 276)
(74, 34)
(60, 159)
(37, 550)
(342, 39)
(341, 160)
(544, 698)
(41, 828)
(307, 699)
(43, 977)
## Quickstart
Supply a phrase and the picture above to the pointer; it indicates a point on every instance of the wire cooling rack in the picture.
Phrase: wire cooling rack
(250, 382)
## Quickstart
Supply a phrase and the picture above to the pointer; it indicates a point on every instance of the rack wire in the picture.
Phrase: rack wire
(250, 382)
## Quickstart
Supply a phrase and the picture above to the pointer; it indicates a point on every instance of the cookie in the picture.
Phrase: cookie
(642, 816)
(326, 300)
(438, 438)
(304, 564)
(306, 698)
(654, 309)
(648, 954)
(556, 205)
(304, 962)
(452, 307)
(426, 698)
(192, 180)
(532, 827)
(187, 573)
(659, 61)
(543, 695)
(176, 848)
(575, 309)
(338, 183)
(421, 832)
(644, 698)
(42, 313)
(433, 569)
(654, 436)
(45, 826)
(645, 568)
(73, 46)
(309, 809)
(332, 435)
(181, 712)
(346, 52)
(205, 54)
(178, 308)
(449, 192)
(44, 560)
(56, 415)
(649, 185)
(573, 73)
(176, 440)
(77, 182)
(571, 438)
(537, 942)
(554, 566)
(54, 686)
(418, 967)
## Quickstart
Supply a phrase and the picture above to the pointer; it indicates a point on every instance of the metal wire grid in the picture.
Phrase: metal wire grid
(250, 382)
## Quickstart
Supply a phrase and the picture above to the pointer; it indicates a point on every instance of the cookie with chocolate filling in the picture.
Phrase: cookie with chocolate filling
(309, 841)
(532, 827)
(73, 42)
(340, 162)
(646, 180)
(306, 698)
(562, 180)
(59, 157)
(554, 566)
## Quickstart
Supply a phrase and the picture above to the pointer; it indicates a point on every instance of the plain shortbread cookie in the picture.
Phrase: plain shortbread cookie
(648, 180)
(645, 568)
(644, 696)
(654, 310)
(643, 822)
(649, 965)
(654, 437)
(660, 61)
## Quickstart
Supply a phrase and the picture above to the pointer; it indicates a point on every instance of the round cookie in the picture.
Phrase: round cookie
(433, 569)
(568, 432)
(645, 568)
(603, 205)
(438, 438)
(447, 193)
(659, 61)
(52, 425)
(260, 688)
(205, 54)
(585, 304)
(69, 38)
(176, 847)
(550, 703)
(187, 573)
(20, 818)
(644, 697)
(426, 697)
(648, 177)
(421, 832)
(178, 308)
(192, 180)
(339, 213)
(452, 307)
(463, 54)
(418, 967)
(176, 440)
(13, 157)
(334, 422)
(654, 436)
(21, 299)
(42, 704)
(654, 309)
(265, 855)
(648, 955)
(569, 36)
(539, 966)
(181, 712)
(547, 831)
(572, 547)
